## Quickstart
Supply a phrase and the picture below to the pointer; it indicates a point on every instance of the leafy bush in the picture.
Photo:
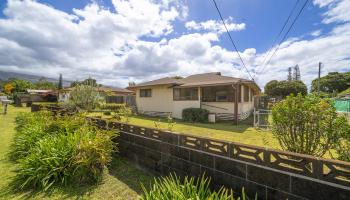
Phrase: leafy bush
(171, 122)
(85, 97)
(124, 112)
(171, 187)
(30, 127)
(67, 150)
(195, 115)
(107, 113)
(112, 106)
(307, 125)
(343, 146)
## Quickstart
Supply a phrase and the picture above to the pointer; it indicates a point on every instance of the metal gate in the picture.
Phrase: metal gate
(262, 118)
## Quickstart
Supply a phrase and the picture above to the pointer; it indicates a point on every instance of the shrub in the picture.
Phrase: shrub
(85, 97)
(171, 122)
(112, 106)
(171, 187)
(68, 151)
(107, 113)
(195, 115)
(30, 127)
(343, 146)
(307, 125)
(124, 112)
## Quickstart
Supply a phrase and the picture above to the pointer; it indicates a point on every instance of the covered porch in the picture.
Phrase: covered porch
(221, 99)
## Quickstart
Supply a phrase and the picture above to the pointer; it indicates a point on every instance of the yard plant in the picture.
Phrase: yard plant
(195, 115)
(173, 188)
(59, 151)
(85, 97)
(308, 125)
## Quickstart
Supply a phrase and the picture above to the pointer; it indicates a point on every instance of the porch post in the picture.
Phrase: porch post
(236, 103)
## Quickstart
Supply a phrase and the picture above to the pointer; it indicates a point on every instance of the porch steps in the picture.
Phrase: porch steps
(156, 113)
(225, 117)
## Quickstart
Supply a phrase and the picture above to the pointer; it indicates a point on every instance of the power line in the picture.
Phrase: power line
(279, 34)
(229, 35)
(285, 35)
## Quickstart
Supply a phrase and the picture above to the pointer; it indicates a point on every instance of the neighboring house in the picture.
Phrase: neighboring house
(210, 91)
(37, 96)
(112, 95)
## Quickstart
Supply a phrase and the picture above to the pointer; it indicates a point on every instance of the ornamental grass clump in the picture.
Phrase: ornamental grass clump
(30, 127)
(308, 125)
(172, 188)
(70, 152)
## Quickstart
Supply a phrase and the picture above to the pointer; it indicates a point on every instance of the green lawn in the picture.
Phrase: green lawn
(121, 180)
(245, 134)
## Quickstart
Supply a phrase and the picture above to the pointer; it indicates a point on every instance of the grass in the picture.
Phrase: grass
(242, 133)
(120, 181)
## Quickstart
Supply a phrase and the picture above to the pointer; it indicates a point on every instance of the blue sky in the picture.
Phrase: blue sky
(264, 19)
(118, 41)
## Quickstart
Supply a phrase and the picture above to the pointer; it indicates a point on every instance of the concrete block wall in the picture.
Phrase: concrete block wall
(165, 155)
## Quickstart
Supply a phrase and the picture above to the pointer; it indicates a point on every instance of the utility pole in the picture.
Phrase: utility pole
(318, 80)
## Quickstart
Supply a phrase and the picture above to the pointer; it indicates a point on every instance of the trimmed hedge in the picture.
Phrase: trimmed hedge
(195, 115)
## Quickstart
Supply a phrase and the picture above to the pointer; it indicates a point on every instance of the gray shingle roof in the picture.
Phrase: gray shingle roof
(214, 78)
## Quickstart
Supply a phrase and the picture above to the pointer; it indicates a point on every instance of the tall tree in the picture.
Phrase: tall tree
(44, 84)
(332, 82)
(60, 82)
(285, 88)
(20, 85)
(89, 81)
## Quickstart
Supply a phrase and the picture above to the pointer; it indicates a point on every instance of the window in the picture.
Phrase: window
(146, 93)
(185, 94)
(218, 94)
(246, 93)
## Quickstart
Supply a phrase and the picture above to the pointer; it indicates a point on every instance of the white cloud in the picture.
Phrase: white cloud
(37, 38)
(316, 33)
(215, 26)
(93, 41)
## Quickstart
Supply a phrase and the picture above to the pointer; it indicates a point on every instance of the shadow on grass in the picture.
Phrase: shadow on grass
(13, 191)
(129, 174)
(119, 168)
(221, 126)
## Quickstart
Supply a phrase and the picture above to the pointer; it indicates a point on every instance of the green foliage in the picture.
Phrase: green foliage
(343, 145)
(332, 82)
(112, 106)
(59, 151)
(307, 125)
(85, 97)
(44, 84)
(347, 91)
(285, 88)
(195, 115)
(20, 85)
(30, 128)
(172, 188)
(89, 81)
(123, 112)
(171, 122)
(107, 112)
(157, 124)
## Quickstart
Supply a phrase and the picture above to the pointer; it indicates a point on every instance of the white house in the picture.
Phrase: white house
(218, 94)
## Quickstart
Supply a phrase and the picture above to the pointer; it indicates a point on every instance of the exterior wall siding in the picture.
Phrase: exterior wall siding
(160, 101)
(178, 106)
